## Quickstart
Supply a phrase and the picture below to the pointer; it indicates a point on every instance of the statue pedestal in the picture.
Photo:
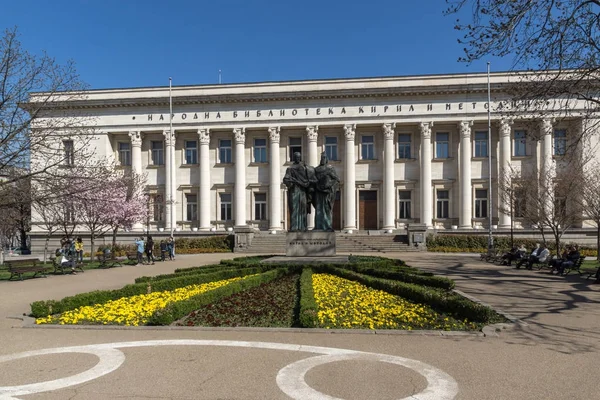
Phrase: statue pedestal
(310, 244)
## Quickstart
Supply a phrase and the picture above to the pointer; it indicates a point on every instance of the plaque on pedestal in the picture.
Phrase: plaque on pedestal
(310, 244)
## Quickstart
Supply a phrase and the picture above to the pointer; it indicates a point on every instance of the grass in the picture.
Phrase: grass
(589, 265)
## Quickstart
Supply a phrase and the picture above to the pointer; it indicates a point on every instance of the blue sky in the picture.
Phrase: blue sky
(131, 43)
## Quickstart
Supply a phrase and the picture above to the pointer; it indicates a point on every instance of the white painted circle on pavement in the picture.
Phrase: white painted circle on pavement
(290, 379)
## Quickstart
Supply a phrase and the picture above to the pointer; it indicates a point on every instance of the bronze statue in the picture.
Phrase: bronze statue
(299, 179)
(324, 195)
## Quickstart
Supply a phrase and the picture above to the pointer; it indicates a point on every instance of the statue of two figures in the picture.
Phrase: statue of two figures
(308, 186)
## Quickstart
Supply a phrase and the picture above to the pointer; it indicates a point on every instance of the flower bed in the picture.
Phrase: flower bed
(270, 304)
(347, 304)
(133, 310)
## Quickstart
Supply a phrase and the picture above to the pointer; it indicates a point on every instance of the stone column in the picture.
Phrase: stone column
(169, 142)
(546, 135)
(504, 170)
(240, 177)
(204, 203)
(350, 179)
(466, 197)
(174, 184)
(275, 181)
(389, 205)
(312, 132)
(426, 195)
(136, 152)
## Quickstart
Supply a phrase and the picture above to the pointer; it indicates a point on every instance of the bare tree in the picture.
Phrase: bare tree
(38, 131)
(15, 208)
(590, 199)
(555, 45)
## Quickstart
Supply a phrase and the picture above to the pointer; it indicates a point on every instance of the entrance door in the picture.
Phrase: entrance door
(367, 209)
(337, 214)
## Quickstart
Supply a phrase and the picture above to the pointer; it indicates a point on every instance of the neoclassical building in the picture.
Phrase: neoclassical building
(407, 149)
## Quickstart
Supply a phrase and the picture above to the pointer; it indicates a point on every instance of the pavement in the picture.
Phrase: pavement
(550, 352)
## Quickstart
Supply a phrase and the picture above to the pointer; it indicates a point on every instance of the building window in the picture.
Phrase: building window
(69, 152)
(442, 145)
(158, 207)
(125, 153)
(481, 203)
(443, 203)
(260, 150)
(191, 201)
(560, 208)
(260, 206)
(404, 204)
(519, 145)
(331, 147)
(69, 213)
(295, 146)
(224, 151)
(191, 152)
(519, 201)
(560, 142)
(367, 147)
(404, 146)
(225, 206)
(481, 144)
(158, 153)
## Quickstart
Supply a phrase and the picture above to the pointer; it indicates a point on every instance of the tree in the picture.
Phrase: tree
(32, 88)
(545, 200)
(555, 43)
(590, 200)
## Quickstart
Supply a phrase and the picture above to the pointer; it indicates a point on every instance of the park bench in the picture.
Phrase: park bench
(108, 260)
(19, 267)
(575, 267)
(59, 267)
(595, 274)
(132, 257)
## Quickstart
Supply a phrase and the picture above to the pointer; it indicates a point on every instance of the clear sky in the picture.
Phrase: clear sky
(131, 43)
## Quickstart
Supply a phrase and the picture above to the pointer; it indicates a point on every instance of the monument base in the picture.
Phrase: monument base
(306, 260)
(310, 244)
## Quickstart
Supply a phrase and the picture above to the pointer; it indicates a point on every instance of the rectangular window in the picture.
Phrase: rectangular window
(69, 152)
(225, 206)
(191, 152)
(404, 146)
(124, 153)
(367, 147)
(560, 208)
(443, 203)
(69, 213)
(260, 150)
(560, 142)
(192, 207)
(158, 207)
(331, 147)
(158, 153)
(404, 204)
(260, 206)
(225, 151)
(519, 201)
(519, 144)
(442, 145)
(481, 203)
(481, 144)
(295, 147)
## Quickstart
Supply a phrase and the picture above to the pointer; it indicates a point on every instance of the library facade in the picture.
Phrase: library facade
(407, 150)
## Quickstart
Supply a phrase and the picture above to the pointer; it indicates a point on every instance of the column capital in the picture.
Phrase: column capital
(350, 131)
(169, 137)
(505, 125)
(274, 133)
(425, 128)
(388, 130)
(239, 135)
(136, 138)
(546, 125)
(312, 133)
(465, 129)
(204, 135)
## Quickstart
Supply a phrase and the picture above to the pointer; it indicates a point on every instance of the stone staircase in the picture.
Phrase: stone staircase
(361, 242)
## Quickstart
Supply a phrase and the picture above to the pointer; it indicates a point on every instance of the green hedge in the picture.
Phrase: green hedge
(206, 269)
(404, 276)
(308, 306)
(44, 308)
(439, 299)
(180, 309)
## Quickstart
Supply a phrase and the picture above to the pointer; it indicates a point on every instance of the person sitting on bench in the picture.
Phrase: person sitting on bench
(533, 254)
(65, 263)
(540, 257)
(555, 263)
(571, 259)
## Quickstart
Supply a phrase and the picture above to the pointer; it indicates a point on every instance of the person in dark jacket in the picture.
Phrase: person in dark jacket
(149, 248)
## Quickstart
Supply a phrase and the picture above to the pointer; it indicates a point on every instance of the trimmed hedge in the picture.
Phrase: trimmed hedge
(44, 308)
(404, 276)
(439, 299)
(180, 309)
(307, 314)
(206, 269)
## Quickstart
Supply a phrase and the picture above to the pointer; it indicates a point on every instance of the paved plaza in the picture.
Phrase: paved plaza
(552, 352)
